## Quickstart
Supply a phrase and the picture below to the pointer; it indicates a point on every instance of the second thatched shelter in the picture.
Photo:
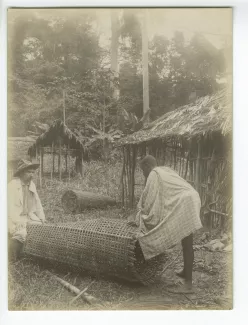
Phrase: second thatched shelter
(59, 141)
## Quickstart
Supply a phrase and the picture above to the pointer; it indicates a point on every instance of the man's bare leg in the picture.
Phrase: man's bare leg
(188, 259)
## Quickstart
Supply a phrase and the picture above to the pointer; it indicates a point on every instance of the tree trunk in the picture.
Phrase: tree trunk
(145, 63)
(79, 164)
(114, 50)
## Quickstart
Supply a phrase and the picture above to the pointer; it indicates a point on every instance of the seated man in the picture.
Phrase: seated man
(24, 206)
(168, 212)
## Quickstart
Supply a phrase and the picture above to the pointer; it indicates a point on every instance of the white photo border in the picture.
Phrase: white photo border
(239, 314)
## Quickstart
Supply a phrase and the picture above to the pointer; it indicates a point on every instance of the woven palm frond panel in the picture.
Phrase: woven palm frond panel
(101, 246)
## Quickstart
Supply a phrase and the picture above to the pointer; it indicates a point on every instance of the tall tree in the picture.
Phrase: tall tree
(115, 30)
(145, 67)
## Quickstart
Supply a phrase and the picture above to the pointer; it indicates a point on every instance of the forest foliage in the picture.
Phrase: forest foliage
(58, 59)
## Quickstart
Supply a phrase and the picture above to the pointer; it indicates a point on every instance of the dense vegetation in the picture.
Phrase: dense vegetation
(58, 59)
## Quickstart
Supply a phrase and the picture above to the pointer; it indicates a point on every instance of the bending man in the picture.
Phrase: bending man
(168, 212)
(24, 206)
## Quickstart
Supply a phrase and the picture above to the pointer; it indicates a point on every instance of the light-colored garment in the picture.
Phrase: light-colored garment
(18, 214)
(27, 199)
(168, 211)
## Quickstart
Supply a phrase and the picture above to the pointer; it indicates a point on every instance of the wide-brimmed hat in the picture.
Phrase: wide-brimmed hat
(25, 165)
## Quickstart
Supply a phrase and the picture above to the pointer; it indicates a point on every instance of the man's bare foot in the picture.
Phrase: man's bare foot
(181, 274)
(186, 288)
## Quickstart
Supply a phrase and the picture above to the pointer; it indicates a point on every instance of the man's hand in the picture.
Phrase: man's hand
(132, 224)
(42, 221)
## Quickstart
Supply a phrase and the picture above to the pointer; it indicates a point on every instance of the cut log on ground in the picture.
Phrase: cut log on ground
(75, 201)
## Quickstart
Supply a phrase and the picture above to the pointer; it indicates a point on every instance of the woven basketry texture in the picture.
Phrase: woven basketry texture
(75, 201)
(101, 246)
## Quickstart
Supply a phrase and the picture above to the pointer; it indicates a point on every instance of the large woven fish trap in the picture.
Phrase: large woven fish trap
(100, 246)
(75, 201)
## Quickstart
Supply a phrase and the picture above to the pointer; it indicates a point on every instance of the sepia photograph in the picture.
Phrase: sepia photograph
(119, 158)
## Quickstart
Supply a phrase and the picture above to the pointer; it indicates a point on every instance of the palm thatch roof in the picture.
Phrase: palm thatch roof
(206, 115)
(57, 130)
(18, 147)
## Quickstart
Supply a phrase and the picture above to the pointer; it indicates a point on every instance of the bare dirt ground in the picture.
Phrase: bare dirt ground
(33, 287)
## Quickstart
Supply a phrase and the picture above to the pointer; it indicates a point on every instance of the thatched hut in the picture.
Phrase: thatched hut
(58, 141)
(195, 140)
(17, 149)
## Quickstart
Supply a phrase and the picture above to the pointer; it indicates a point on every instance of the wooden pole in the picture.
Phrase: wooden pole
(104, 127)
(198, 163)
(69, 158)
(129, 176)
(40, 170)
(133, 173)
(66, 165)
(60, 170)
(190, 155)
(82, 165)
(181, 162)
(42, 162)
(124, 177)
(58, 156)
(187, 164)
(145, 63)
(191, 169)
(171, 158)
(175, 156)
(53, 159)
(64, 105)
(52, 162)
(122, 182)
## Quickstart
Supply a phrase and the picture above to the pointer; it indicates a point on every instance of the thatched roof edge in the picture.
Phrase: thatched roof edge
(206, 115)
(43, 138)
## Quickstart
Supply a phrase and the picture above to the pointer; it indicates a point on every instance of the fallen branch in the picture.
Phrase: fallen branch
(86, 297)
(81, 293)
